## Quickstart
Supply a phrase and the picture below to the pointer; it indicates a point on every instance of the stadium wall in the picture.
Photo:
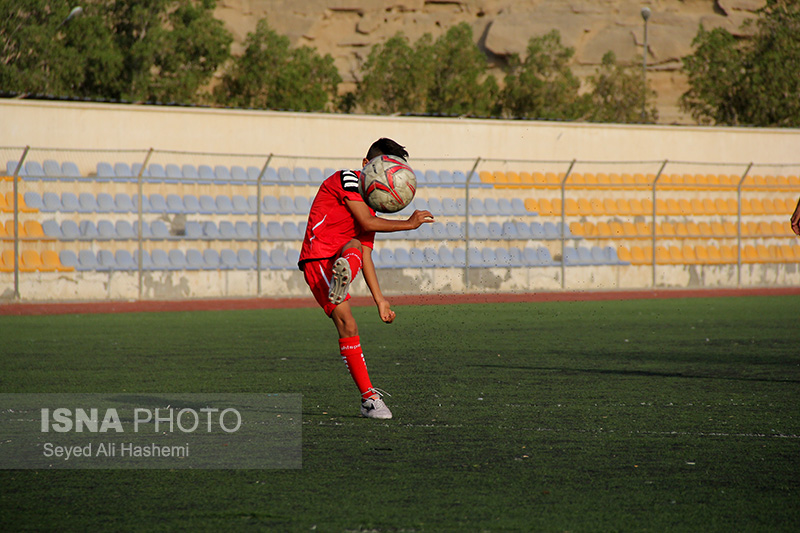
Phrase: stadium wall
(47, 124)
(757, 247)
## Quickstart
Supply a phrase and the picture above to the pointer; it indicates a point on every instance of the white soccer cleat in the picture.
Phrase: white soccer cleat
(340, 282)
(375, 407)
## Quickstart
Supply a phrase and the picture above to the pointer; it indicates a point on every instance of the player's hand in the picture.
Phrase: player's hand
(796, 219)
(419, 218)
(387, 315)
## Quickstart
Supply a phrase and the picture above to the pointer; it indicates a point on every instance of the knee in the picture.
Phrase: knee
(346, 326)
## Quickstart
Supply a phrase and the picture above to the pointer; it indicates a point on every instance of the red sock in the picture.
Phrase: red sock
(353, 256)
(353, 358)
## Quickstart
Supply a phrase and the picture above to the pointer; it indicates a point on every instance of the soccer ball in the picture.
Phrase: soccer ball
(387, 184)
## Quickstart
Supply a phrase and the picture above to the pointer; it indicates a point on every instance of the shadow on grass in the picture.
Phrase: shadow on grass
(642, 373)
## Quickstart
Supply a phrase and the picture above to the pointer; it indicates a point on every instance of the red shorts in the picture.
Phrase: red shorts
(318, 276)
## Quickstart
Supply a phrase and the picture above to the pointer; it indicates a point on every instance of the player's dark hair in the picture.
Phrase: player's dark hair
(384, 146)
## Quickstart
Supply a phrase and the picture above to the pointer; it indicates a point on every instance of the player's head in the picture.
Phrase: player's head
(384, 146)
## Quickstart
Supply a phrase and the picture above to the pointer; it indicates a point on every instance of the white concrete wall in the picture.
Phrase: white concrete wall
(43, 124)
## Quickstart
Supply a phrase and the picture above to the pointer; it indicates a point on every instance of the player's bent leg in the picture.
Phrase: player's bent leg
(345, 269)
(340, 281)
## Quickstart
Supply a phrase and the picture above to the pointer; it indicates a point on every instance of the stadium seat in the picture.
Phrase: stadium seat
(159, 230)
(105, 230)
(52, 262)
(195, 260)
(222, 175)
(160, 260)
(68, 258)
(224, 204)
(123, 260)
(87, 261)
(228, 259)
(158, 204)
(240, 206)
(210, 230)
(124, 230)
(189, 173)
(246, 259)
(227, 231)
(70, 230)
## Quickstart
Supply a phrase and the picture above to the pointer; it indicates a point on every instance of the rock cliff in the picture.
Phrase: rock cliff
(347, 29)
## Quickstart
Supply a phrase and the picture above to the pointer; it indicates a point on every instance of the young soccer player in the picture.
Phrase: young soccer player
(338, 243)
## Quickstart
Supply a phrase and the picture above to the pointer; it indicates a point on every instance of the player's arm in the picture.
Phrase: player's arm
(371, 278)
(796, 219)
(370, 222)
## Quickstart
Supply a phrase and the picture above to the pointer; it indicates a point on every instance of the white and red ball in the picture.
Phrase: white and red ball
(387, 184)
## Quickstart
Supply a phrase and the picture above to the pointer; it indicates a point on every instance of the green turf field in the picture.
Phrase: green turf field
(650, 415)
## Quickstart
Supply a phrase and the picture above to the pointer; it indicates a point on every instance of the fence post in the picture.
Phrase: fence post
(739, 225)
(655, 212)
(466, 224)
(140, 237)
(258, 224)
(563, 230)
(16, 221)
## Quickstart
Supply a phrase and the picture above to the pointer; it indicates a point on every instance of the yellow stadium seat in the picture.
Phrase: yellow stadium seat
(647, 206)
(749, 254)
(577, 228)
(615, 180)
(573, 207)
(780, 206)
(693, 207)
(575, 180)
(643, 181)
(623, 207)
(624, 254)
(701, 255)
(689, 256)
(769, 206)
(628, 181)
(689, 181)
(499, 179)
(604, 230)
(603, 180)
(538, 179)
(708, 206)
(546, 208)
(629, 230)
(636, 207)
(639, 257)
(764, 229)
(4, 207)
(765, 254)
(728, 254)
(662, 255)
(665, 229)
(596, 207)
(532, 205)
(23, 207)
(526, 179)
(711, 181)
(514, 179)
(31, 261)
(486, 176)
(714, 255)
(617, 231)
(673, 207)
(610, 207)
(675, 255)
(552, 180)
(730, 229)
(705, 229)
(681, 231)
(787, 253)
(717, 230)
(692, 230)
(721, 207)
(783, 183)
(51, 260)
(643, 229)
(10, 230)
(33, 230)
(794, 182)
(7, 261)
(590, 180)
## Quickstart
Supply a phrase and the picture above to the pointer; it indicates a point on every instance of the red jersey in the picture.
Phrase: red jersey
(330, 223)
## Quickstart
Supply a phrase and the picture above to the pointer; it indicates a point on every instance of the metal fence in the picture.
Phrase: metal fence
(577, 197)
